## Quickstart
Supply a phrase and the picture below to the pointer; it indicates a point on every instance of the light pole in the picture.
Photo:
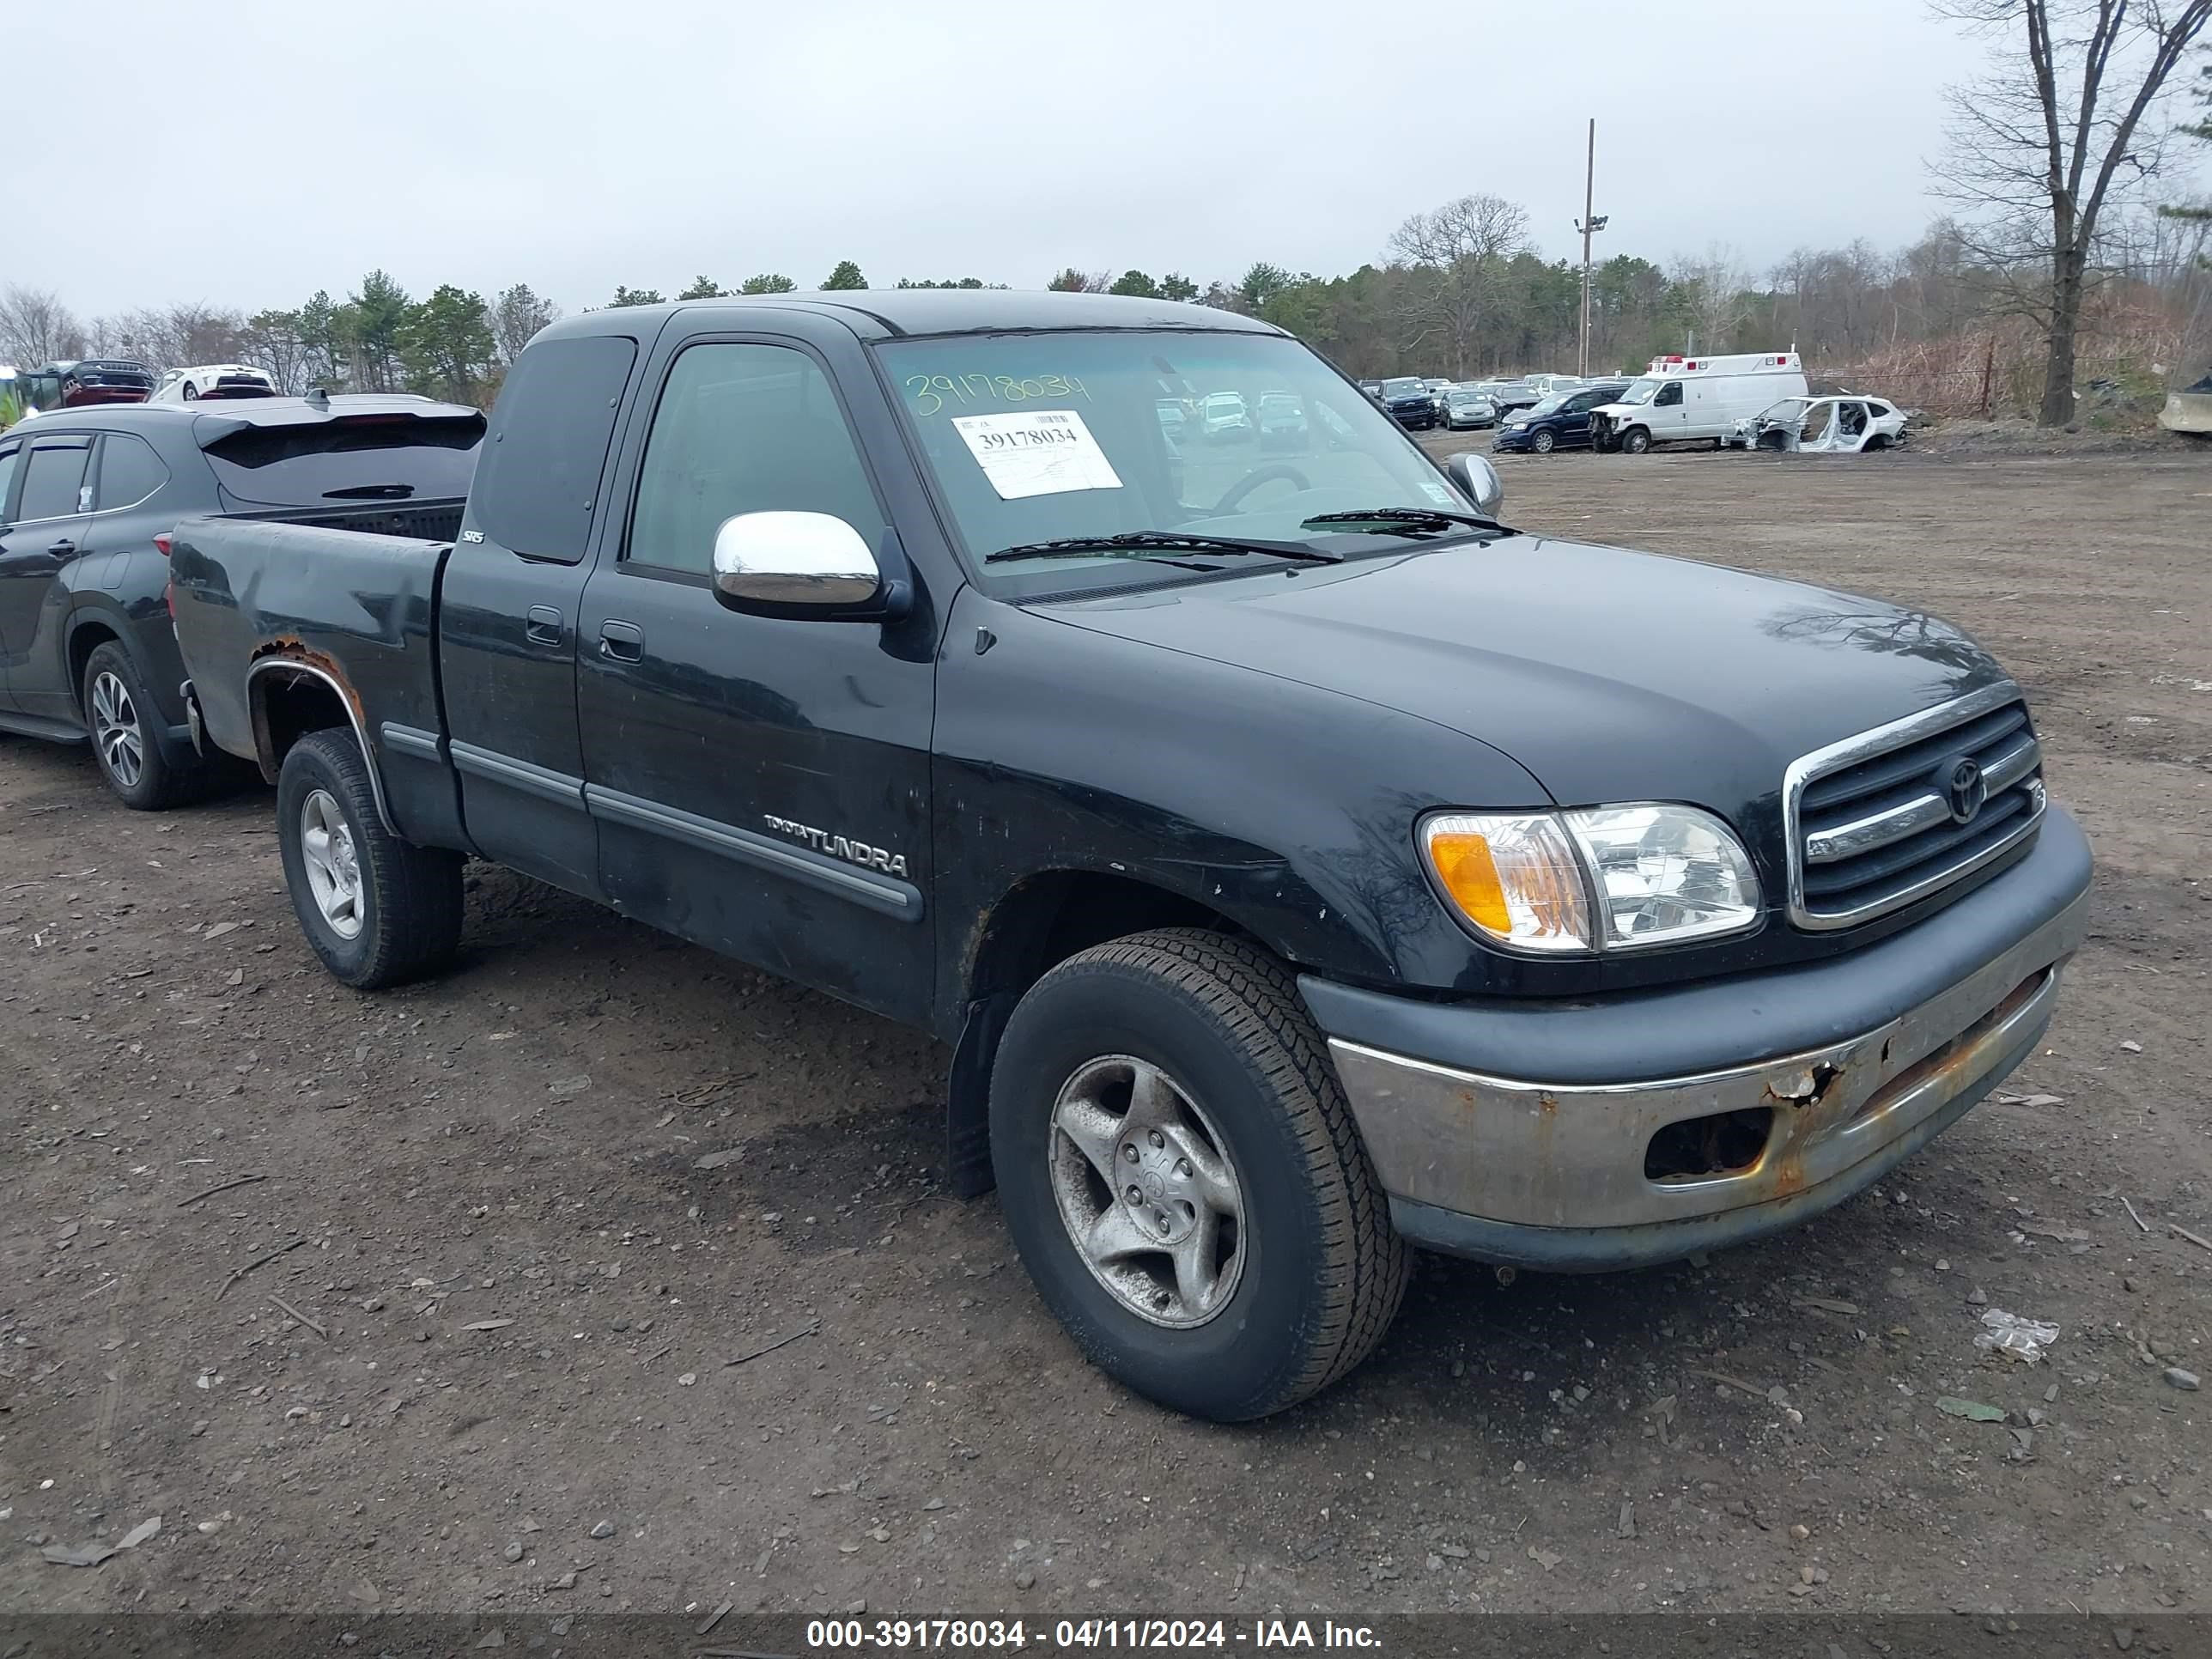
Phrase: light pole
(1589, 224)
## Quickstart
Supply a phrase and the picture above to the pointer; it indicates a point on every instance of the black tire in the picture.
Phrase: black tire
(1321, 1271)
(122, 720)
(409, 900)
(1635, 440)
(1543, 443)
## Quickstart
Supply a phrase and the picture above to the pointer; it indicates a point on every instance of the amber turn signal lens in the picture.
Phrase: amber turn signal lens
(1516, 878)
(1469, 874)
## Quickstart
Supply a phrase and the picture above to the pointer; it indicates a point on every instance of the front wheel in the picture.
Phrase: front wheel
(1635, 440)
(1543, 443)
(1182, 1178)
(377, 910)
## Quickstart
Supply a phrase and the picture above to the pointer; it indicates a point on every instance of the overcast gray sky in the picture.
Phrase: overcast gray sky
(264, 148)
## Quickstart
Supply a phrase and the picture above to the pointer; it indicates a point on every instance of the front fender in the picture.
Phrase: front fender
(1285, 807)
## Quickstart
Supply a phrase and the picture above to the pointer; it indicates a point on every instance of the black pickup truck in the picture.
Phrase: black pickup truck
(1301, 864)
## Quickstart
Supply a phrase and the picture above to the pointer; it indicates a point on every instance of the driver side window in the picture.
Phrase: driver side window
(743, 428)
(1670, 396)
(9, 455)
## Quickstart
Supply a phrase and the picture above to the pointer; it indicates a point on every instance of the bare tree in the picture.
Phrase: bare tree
(273, 340)
(517, 313)
(2065, 121)
(1716, 283)
(1460, 251)
(170, 337)
(36, 327)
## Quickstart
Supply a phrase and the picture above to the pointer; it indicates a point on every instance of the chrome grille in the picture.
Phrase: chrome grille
(1891, 816)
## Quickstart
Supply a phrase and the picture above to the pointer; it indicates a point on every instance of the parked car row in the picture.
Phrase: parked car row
(1749, 401)
(96, 381)
(1262, 900)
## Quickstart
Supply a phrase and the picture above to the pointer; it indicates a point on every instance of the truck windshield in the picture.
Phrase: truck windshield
(1047, 437)
(1641, 392)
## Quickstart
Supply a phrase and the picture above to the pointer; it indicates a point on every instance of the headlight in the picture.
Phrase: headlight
(1607, 878)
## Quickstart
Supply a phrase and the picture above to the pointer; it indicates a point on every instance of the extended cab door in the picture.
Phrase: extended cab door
(507, 610)
(761, 784)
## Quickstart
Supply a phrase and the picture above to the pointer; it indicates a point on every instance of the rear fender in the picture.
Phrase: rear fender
(290, 663)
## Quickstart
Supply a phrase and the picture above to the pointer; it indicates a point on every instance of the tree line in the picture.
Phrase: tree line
(2060, 263)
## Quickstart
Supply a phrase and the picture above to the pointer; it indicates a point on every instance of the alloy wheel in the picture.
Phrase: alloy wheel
(1147, 1191)
(115, 729)
(331, 862)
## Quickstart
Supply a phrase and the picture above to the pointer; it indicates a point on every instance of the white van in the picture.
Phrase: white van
(1696, 400)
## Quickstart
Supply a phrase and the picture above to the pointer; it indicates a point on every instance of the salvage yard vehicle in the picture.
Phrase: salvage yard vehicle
(1465, 407)
(1561, 421)
(2189, 412)
(217, 381)
(1406, 399)
(1695, 399)
(85, 383)
(88, 497)
(1302, 864)
(1839, 425)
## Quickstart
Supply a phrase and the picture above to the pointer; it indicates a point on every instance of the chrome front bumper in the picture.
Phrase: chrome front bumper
(1555, 1176)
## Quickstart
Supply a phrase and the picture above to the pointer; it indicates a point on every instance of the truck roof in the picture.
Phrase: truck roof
(885, 313)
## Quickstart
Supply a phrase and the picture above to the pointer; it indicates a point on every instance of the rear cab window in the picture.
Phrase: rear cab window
(383, 455)
(539, 477)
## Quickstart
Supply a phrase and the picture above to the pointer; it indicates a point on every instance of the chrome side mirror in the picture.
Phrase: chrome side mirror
(1478, 481)
(795, 564)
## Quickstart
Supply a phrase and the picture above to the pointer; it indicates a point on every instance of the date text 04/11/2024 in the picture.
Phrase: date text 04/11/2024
(832, 1634)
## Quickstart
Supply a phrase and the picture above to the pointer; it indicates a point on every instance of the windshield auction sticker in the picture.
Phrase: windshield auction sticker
(1042, 452)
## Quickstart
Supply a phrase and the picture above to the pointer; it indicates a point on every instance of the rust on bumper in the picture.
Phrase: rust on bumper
(1520, 1154)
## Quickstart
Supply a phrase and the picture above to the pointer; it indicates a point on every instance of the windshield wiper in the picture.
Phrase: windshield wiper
(1145, 541)
(1425, 520)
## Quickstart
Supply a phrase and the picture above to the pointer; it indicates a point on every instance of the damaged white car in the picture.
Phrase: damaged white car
(1842, 425)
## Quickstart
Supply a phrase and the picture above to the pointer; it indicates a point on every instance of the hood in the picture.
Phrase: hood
(1610, 675)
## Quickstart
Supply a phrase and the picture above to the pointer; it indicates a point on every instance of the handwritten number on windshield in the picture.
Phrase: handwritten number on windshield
(931, 392)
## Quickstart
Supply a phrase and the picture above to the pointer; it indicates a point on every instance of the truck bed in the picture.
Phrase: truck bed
(340, 594)
(436, 520)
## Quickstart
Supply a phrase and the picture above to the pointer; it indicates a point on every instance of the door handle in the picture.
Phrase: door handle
(542, 626)
(622, 641)
(62, 549)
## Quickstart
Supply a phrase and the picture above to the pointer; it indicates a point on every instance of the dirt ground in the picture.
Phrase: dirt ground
(557, 1206)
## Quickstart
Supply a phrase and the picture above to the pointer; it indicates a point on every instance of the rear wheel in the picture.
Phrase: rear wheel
(377, 910)
(1635, 440)
(124, 727)
(1182, 1178)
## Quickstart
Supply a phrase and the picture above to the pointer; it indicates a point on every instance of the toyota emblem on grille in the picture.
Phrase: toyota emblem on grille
(1964, 788)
